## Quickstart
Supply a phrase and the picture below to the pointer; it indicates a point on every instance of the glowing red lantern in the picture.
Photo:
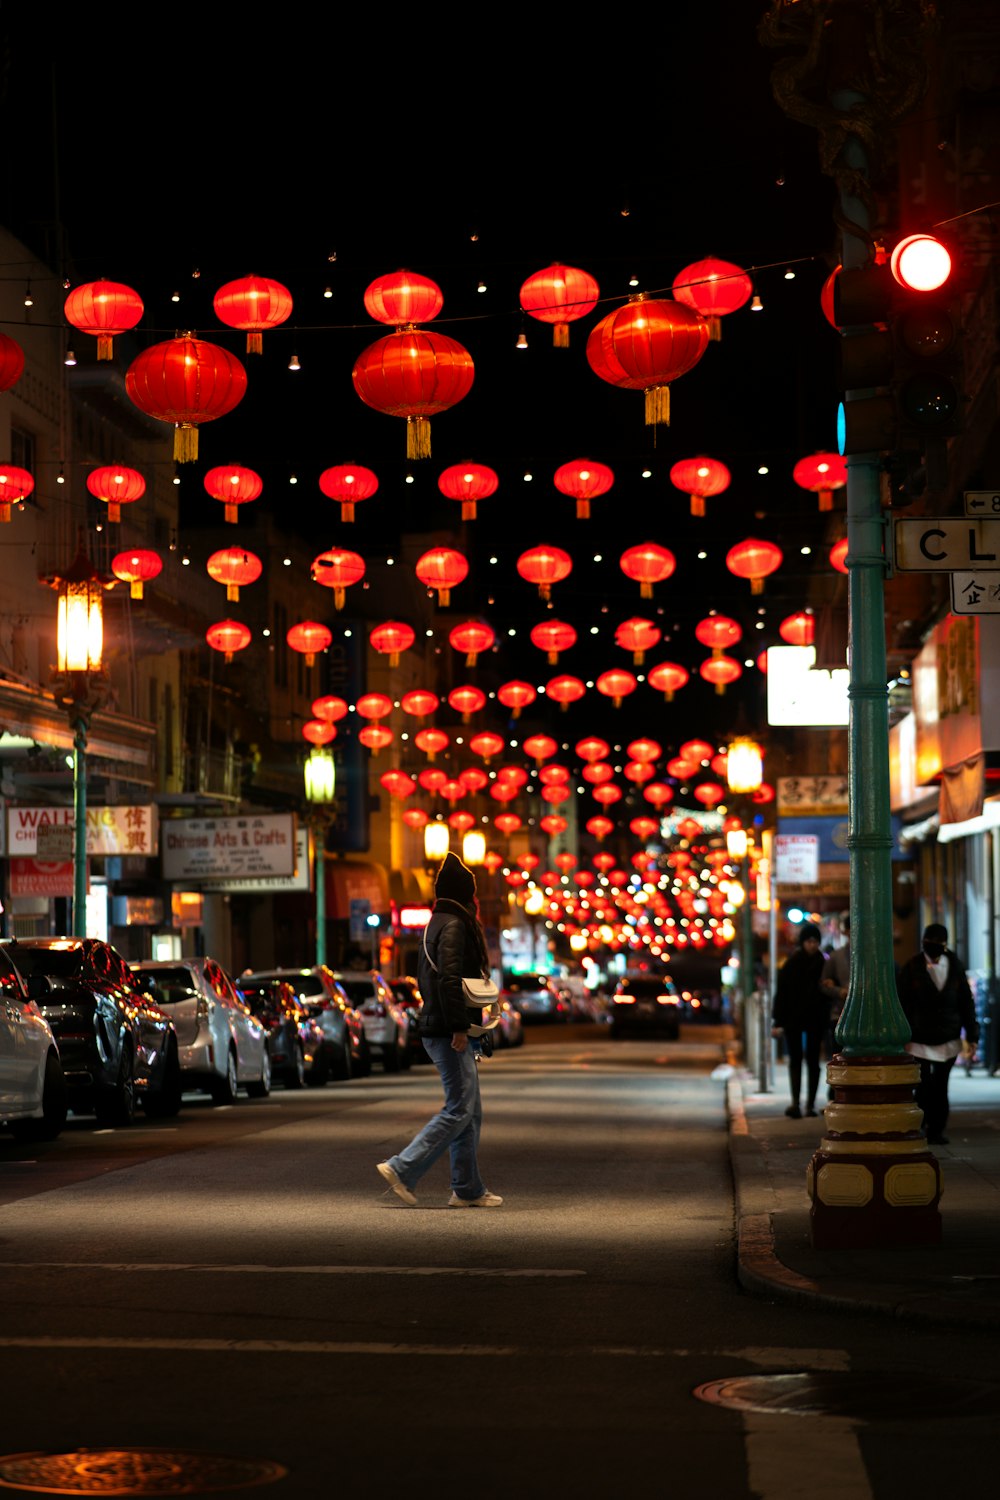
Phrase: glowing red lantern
(647, 564)
(659, 793)
(838, 555)
(233, 485)
(348, 484)
(462, 821)
(11, 362)
(555, 792)
(721, 671)
(700, 478)
(186, 381)
(668, 678)
(103, 308)
(228, 636)
(375, 737)
(414, 374)
(715, 288)
(487, 744)
(545, 566)
(392, 638)
(529, 861)
(473, 637)
(592, 749)
(643, 827)
(403, 297)
(337, 569)
(599, 827)
(540, 747)
(492, 860)
(432, 779)
(416, 817)
(616, 685)
(565, 690)
(309, 637)
(234, 566)
(565, 862)
(329, 707)
(718, 631)
(467, 700)
(516, 695)
(442, 568)
(696, 751)
(765, 793)
(822, 473)
(559, 295)
(710, 793)
(453, 790)
(596, 772)
(319, 732)
(373, 705)
(798, 629)
(639, 771)
(473, 779)
(136, 568)
(553, 636)
(551, 775)
(607, 793)
(645, 345)
(431, 741)
(507, 823)
(253, 304)
(512, 775)
(116, 486)
(468, 483)
(419, 702)
(553, 824)
(637, 636)
(398, 784)
(504, 791)
(681, 768)
(754, 559)
(762, 663)
(15, 485)
(645, 750)
(583, 480)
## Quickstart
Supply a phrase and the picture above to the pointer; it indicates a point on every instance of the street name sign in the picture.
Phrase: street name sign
(946, 544)
(982, 502)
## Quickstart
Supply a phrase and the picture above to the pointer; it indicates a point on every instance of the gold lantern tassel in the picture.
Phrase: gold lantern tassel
(310, 658)
(552, 658)
(645, 591)
(114, 511)
(338, 598)
(583, 510)
(716, 652)
(560, 335)
(714, 329)
(468, 510)
(470, 660)
(668, 696)
(347, 510)
(444, 598)
(545, 590)
(658, 406)
(720, 688)
(185, 443)
(756, 585)
(232, 591)
(564, 706)
(638, 657)
(826, 500)
(4, 510)
(135, 589)
(255, 343)
(697, 505)
(230, 513)
(394, 658)
(105, 346)
(418, 437)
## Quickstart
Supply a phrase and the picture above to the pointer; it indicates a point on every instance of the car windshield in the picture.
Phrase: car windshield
(646, 989)
(57, 963)
(177, 977)
(358, 990)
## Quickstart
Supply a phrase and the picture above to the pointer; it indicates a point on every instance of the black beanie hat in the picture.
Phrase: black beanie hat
(455, 880)
(809, 930)
(935, 933)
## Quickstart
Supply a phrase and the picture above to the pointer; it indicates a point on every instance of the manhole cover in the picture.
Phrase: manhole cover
(132, 1471)
(860, 1397)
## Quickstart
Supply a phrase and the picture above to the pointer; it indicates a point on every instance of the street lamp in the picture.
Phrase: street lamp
(320, 775)
(437, 839)
(474, 848)
(744, 775)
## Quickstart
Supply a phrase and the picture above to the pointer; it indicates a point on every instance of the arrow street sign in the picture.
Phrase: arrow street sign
(945, 544)
(975, 593)
(982, 502)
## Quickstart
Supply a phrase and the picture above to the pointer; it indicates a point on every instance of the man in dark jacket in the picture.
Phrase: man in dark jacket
(937, 1001)
(454, 948)
(802, 1013)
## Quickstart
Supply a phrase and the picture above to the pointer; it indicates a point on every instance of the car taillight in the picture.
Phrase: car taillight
(624, 999)
(667, 1000)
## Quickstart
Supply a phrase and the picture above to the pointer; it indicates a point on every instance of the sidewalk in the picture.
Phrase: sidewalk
(957, 1281)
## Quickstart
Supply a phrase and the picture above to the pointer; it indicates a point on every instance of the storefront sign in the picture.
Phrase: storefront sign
(796, 859)
(110, 830)
(41, 877)
(299, 881)
(226, 848)
(812, 796)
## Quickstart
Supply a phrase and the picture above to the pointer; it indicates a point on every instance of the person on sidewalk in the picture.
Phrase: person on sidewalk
(801, 1014)
(937, 1001)
(454, 947)
(834, 983)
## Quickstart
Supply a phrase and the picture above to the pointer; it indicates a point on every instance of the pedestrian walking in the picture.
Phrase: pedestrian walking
(834, 983)
(937, 1001)
(454, 948)
(801, 1014)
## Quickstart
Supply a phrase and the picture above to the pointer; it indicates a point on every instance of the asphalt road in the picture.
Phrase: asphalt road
(194, 1301)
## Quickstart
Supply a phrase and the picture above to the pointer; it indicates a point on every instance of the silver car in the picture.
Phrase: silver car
(222, 1045)
(32, 1087)
(384, 1019)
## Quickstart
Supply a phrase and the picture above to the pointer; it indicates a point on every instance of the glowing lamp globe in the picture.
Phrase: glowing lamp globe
(798, 629)
(116, 486)
(391, 639)
(744, 765)
(545, 566)
(616, 684)
(648, 564)
(467, 700)
(442, 569)
(700, 478)
(638, 636)
(437, 840)
(348, 484)
(308, 638)
(583, 480)
(821, 473)
(253, 304)
(403, 297)
(235, 567)
(668, 678)
(559, 295)
(468, 483)
(337, 569)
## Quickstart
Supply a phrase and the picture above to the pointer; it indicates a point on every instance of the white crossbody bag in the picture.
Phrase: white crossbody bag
(480, 994)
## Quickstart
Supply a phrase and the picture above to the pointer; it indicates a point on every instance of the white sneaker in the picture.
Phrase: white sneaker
(488, 1200)
(398, 1186)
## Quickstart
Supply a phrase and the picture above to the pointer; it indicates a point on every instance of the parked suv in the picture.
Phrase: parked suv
(32, 1087)
(295, 1040)
(385, 1022)
(348, 1053)
(223, 1047)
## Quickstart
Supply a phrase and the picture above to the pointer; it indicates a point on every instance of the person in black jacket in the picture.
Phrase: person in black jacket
(454, 948)
(802, 1013)
(937, 1001)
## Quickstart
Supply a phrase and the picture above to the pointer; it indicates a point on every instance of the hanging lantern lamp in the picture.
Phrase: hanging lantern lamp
(116, 486)
(714, 288)
(647, 564)
(559, 295)
(348, 484)
(431, 741)
(565, 690)
(717, 632)
(553, 636)
(638, 636)
(720, 671)
(11, 362)
(414, 374)
(329, 707)
(308, 638)
(235, 567)
(338, 569)
(228, 637)
(545, 566)
(233, 485)
(821, 473)
(253, 304)
(442, 569)
(754, 559)
(466, 700)
(468, 483)
(700, 478)
(136, 568)
(104, 309)
(374, 706)
(583, 480)
(16, 484)
(319, 732)
(540, 747)
(419, 702)
(668, 678)
(616, 685)
(798, 629)
(645, 346)
(473, 637)
(599, 827)
(187, 382)
(838, 555)
(487, 744)
(391, 639)
(403, 297)
(516, 695)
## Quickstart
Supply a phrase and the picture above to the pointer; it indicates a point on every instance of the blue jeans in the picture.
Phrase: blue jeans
(455, 1128)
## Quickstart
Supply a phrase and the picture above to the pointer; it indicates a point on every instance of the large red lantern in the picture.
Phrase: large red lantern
(647, 564)
(233, 485)
(798, 629)
(540, 747)
(116, 486)
(186, 381)
(717, 632)
(822, 473)
(565, 690)
(473, 779)
(700, 478)
(414, 374)
(473, 637)
(516, 695)
(466, 700)
(826, 297)
(616, 685)
(645, 345)
(228, 637)
(375, 737)
(553, 636)
(645, 750)
(709, 793)
(329, 707)
(544, 566)
(696, 751)
(714, 288)
(308, 637)
(637, 636)
(754, 559)
(551, 775)
(838, 555)
(639, 771)
(432, 779)
(462, 821)
(403, 297)
(234, 566)
(338, 569)
(16, 484)
(392, 638)
(442, 568)
(487, 744)
(253, 304)
(583, 480)
(416, 817)
(668, 678)
(643, 827)
(592, 749)
(507, 823)
(136, 568)
(559, 295)
(431, 741)
(319, 732)
(398, 784)
(468, 483)
(596, 772)
(419, 702)
(721, 671)
(374, 706)
(11, 362)
(607, 793)
(599, 827)
(553, 824)
(348, 484)
(659, 793)
(104, 308)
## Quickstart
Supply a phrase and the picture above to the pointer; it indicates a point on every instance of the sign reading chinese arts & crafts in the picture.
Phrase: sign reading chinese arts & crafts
(224, 848)
(110, 830)
(297, 881)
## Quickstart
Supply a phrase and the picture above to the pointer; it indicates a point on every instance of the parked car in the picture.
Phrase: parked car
(510, 1032)
(385, 1023)
(222, 1047)
(407, 993)
(324, 997)
(295, 1039)
(646, 1004)
(537, 998)
(117, 1046)
(32, 1086)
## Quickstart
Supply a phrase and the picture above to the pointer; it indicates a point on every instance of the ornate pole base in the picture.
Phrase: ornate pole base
(873, 1181)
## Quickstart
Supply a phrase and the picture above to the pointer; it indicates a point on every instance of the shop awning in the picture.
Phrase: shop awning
(355, 880)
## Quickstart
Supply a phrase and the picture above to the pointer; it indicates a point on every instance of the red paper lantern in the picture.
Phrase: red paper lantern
(15, 485)
(228, 636)
(592, 749)
(419, 702)
(233, 485)
(253, 304)
(492, 860)
(468, 483)
(507, 823)
(554, 792)
(186, 381)
(822, 473)
(373, 705)
(639, 771)
(659, 793)
(415, 817)
(565, 690)
(599, 827)
(583, 480)
(11, 362)
(551, 775)
(553, 636)
(442, 568)
(668, 678)
(826, 297)
(616, 685)
(559, 295)
(431, 741)
(754, 559)
(721, 671)
(337, 569)
(714, 288)
(540, 747)
(462, 821)
(473, 637)
(696, 751)
(398, 784)
(607, 793)
(103, 308)
(234, 566)
(504, 791)
(512, 775)
(516, 695)
(487, 744)
(637, 636)
(329, 707)
(392, 638)
(838, 555)
(136, 568)
(681, 768)
(647, 564)
(467, 700)
(473, 779)
(453, 790)
(700, 478)
(116, 486)
(308, 637)
(643, 827)
(798, 629)
(375, 737)
(553, 824)
(765, 793)
(718, 631)
(645, 750)
(645, 345)
(529, 861)
(348, 484)
(596, 772)
(709, 793)
(403, 297)
(544, 566)
(565, 861)
(762, 663)
(432, 779)
(319, 732)
(414, 374)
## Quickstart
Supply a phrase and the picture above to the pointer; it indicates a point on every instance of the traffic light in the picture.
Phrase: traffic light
(901, 352)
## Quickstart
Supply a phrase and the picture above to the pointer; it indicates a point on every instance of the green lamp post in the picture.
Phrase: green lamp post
(320, 776)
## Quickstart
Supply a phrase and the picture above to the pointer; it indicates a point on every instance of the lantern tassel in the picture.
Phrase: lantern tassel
(418, 437)
(756, 585)
(560, 335)
(114, 511)
(135, 589)
(444, 598)
(255, 343)
(697, 505)
(583, 510)
(552, 657)
(645, 591)
(105, 346)
(720, 688)
(230, 513)
(4, 511)
(826, 500)
(185, 444)
(714, 329)
(347, 510)
(658, 406)
(232, 592)
(468, 510)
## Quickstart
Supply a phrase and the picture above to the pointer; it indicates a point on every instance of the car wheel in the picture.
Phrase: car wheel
(224, 1089)
(295, 1078)
(165, 1103)
(262, 1087)
(54, 1107)
(320, 1070)
(342, 1064)
(116, 1105)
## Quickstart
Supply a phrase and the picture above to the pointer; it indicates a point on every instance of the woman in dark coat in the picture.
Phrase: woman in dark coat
(937, 1001)
(802, 1013)
(454, 948)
